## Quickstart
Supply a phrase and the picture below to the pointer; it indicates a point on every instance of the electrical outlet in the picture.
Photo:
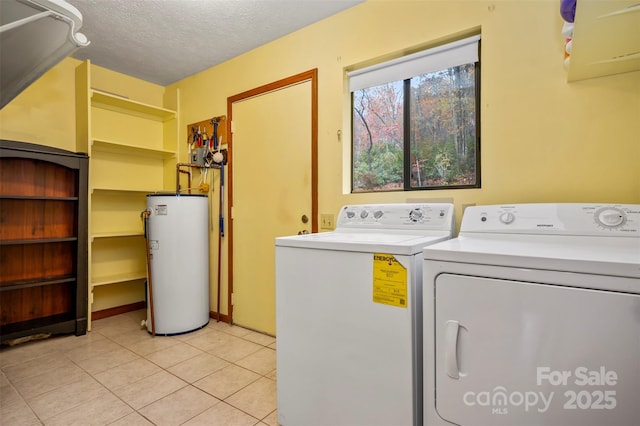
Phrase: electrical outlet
(327, 221)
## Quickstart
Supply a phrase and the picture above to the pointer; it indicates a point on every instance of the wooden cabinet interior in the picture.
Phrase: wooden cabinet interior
(43, 240)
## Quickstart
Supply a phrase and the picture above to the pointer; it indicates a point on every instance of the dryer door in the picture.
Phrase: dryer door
(522, 353)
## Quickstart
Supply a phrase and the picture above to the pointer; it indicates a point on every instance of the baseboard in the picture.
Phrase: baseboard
(223, 317)
(105, 313)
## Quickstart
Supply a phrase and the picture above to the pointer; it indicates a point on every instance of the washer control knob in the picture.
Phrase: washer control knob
(507, 218)
(610, 217)
(415, 215)
(378, 214)
(364, 214)
(350, 214)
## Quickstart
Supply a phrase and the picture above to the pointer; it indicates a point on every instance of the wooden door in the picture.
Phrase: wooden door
(273, 193)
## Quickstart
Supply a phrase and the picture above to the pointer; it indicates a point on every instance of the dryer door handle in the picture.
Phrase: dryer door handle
(451, 349)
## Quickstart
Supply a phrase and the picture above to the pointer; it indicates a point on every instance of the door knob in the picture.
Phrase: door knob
(304, 218)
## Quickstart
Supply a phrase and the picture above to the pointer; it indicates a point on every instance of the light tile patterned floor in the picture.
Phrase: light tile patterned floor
(118, 374)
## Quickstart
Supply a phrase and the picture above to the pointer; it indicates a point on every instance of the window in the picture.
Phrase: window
(415, 121)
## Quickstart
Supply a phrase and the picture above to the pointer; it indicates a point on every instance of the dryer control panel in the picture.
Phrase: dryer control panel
(620, 220)
(399, 216)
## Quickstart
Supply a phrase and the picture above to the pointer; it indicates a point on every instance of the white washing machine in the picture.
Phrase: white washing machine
(532, 317)
(348, 316)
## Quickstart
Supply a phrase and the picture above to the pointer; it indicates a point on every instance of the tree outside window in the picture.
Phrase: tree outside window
(418, 133)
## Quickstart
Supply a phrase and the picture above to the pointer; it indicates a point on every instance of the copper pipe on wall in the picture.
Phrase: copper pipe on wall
(187, 172)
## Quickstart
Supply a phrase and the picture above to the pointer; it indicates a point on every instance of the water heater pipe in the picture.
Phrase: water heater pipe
(145, 217)
(187, 172)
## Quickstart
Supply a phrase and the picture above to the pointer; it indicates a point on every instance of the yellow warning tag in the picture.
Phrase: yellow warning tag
(389, 280)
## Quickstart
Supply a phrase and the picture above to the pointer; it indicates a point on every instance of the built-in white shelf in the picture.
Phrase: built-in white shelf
(131, 190)
(606, 39)
(120, 104)
(118, 278)
(128, 149)
(120, 234)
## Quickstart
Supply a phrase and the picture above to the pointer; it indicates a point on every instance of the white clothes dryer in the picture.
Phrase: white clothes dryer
(532, 317)
(349, 318)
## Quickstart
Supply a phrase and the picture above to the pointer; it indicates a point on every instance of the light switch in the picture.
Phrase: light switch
(327, 221)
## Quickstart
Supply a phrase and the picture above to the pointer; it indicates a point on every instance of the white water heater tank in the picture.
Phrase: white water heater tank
(178, 237)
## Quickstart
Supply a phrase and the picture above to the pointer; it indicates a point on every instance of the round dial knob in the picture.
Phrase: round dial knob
(507, 218)
(350, 214)
(364, 214)
(378, 214)
(415, 215)
(610, 217)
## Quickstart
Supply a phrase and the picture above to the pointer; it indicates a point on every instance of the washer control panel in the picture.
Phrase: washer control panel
(409, 216)
(610, 217)
(561, 219)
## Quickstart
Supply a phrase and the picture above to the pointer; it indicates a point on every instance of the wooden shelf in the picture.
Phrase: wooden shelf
(37, 197)
(36, 241)
(128, 106)
(43, 240)
(128, 149)
(27, 175)
(45, 281)
(61, 323)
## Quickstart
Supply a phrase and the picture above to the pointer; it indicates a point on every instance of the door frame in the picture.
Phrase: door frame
(312, 76)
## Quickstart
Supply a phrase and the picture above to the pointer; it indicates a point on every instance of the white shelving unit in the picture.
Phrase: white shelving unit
(606, 39)
(132, 149)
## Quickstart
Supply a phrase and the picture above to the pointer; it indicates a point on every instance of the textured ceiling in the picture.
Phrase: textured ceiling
(163, 41)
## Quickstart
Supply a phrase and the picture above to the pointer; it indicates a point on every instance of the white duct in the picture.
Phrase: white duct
(34, 36)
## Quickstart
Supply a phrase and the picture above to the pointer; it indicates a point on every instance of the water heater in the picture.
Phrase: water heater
(178, 240)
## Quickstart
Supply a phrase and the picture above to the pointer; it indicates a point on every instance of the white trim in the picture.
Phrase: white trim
(438, 58)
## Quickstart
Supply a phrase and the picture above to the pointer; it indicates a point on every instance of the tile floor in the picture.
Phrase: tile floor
(117, 374)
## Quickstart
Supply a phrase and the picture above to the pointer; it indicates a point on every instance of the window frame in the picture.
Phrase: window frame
(406, 145)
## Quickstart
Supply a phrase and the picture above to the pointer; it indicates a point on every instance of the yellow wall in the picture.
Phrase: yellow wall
(543, 140)
(44, 113)
(130, 87)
